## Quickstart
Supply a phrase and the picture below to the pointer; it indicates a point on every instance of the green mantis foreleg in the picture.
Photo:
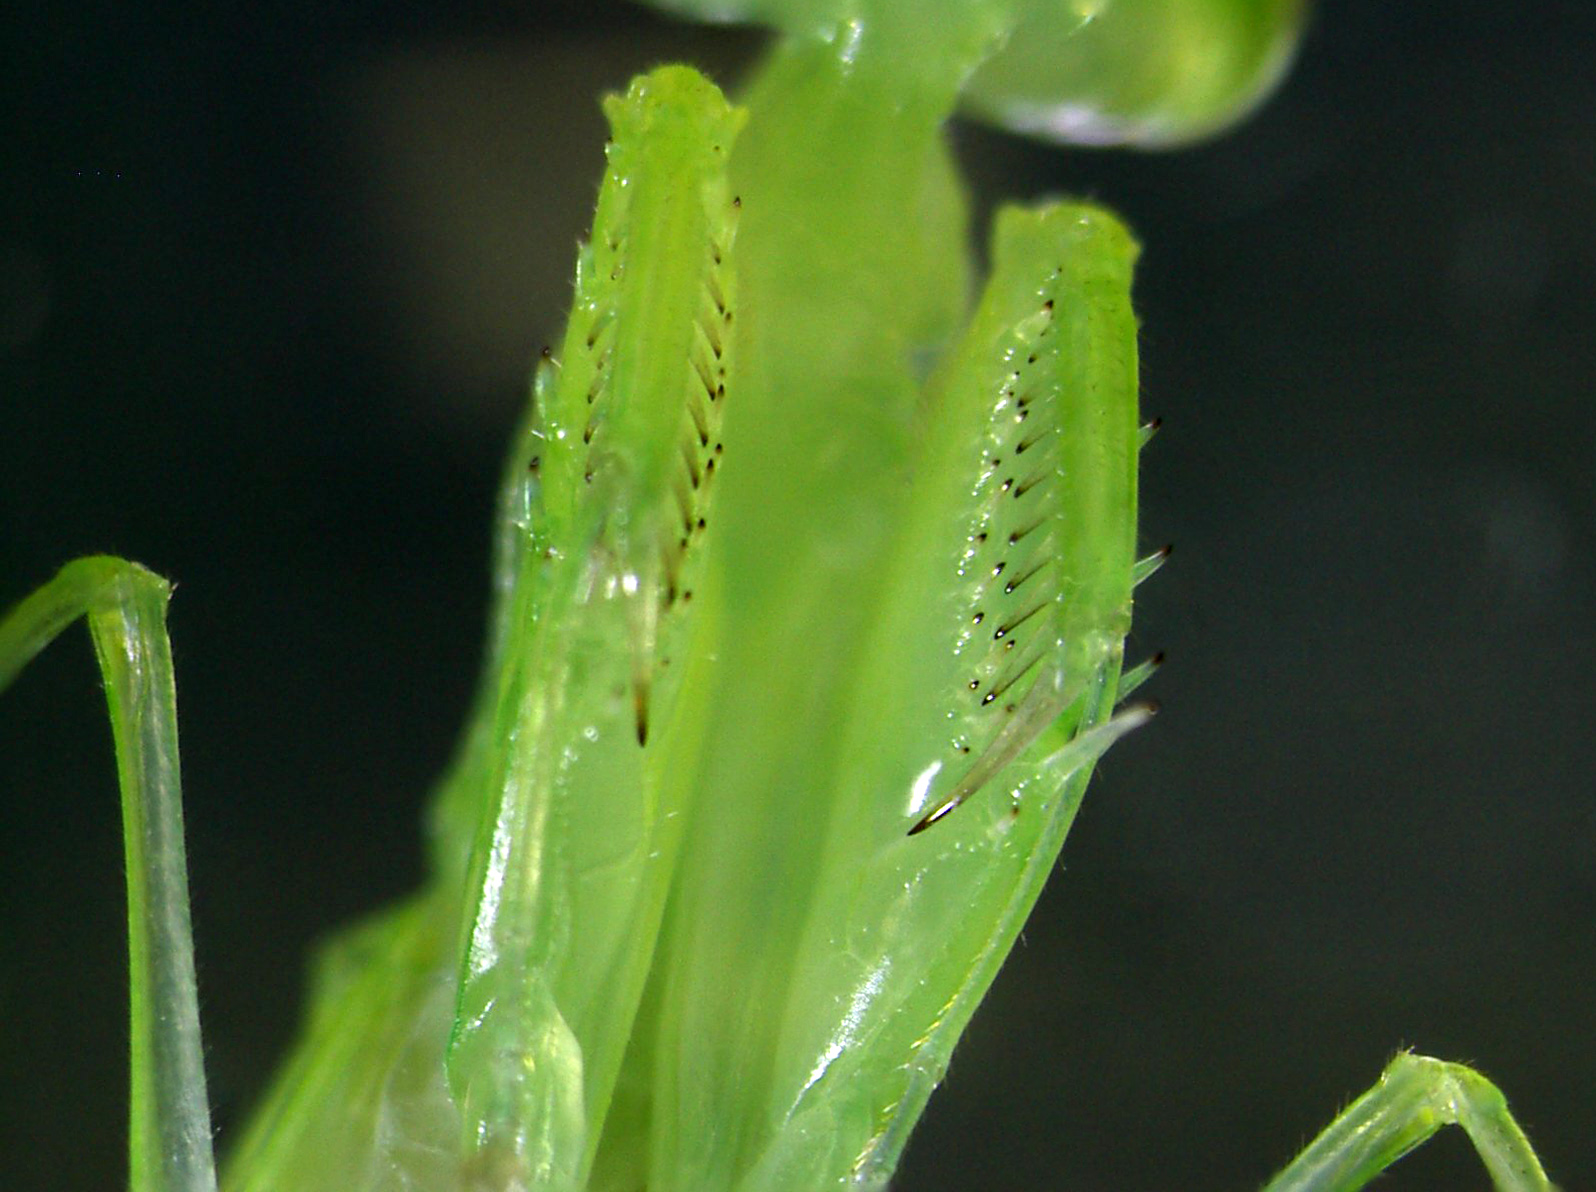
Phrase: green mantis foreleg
(577, 841)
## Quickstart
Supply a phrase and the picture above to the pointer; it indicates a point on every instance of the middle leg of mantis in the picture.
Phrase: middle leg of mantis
(1413, 1099)
(169, 1135)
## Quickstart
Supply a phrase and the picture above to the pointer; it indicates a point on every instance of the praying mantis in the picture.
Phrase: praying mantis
(796, 679)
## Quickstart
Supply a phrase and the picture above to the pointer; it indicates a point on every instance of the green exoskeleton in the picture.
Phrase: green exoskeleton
(812, 585)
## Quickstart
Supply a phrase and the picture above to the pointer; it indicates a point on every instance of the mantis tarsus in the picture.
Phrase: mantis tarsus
(530, 1064)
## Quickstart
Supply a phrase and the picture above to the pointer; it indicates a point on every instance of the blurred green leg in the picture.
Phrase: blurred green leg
(169, 1133)
(1413, 1099)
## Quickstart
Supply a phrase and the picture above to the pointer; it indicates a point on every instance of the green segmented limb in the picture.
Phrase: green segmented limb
(900, 936)
(577, 836)
(1045, 527)
(169, 1136)
(1414, 1098)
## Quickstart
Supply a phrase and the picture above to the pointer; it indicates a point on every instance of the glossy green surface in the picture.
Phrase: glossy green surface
(169, 1137)
(1152, 73)
(577, 836)
(811, 594)
(739, 565)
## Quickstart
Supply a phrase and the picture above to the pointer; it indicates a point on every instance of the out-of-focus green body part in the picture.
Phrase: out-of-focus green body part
(1152, 73)
(811, 588)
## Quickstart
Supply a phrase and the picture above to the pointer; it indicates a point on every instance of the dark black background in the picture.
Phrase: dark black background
(270, 279)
